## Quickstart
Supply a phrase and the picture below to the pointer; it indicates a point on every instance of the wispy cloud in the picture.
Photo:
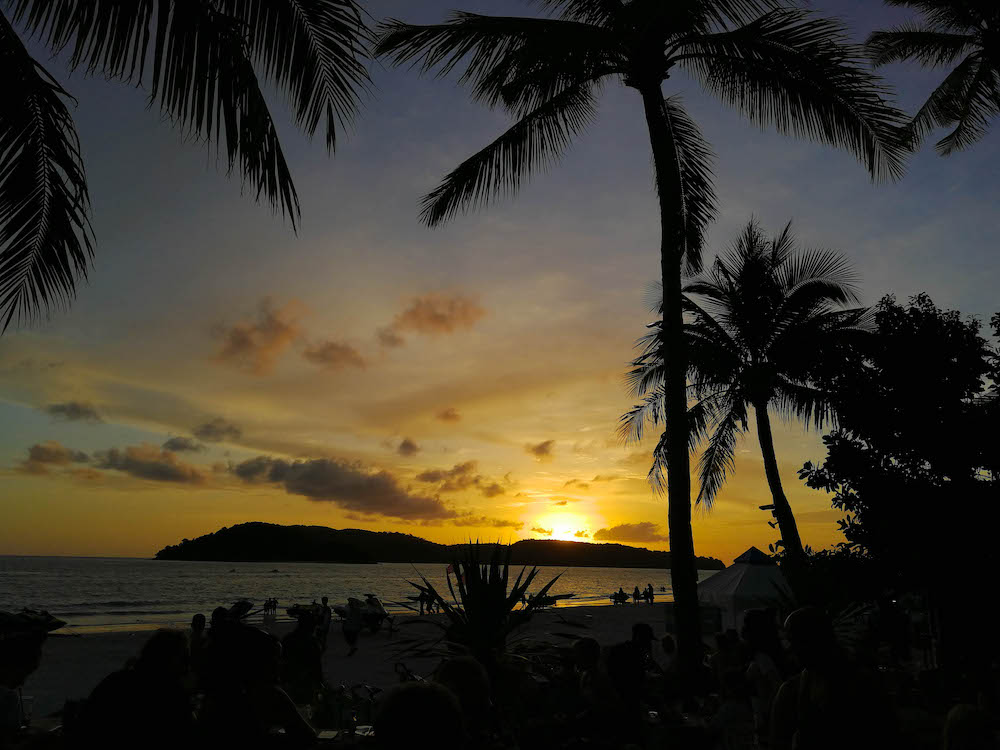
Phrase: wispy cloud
(217, 430)
(449, 415)
(183, 444)
(74, 411)
(334, 355)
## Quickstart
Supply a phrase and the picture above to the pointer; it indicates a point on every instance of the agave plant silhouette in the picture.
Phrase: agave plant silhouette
(482, 614)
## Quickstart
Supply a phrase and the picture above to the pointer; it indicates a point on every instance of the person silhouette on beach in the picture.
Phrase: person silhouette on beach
(323, 630)
(149, 695)
(635, 595)
(352, 625)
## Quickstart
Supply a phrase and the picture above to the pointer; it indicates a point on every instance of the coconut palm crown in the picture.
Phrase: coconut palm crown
(202, 63)
(759, 323)
(964, 34)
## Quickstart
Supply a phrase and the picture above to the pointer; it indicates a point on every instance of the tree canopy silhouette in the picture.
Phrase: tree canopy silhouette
(779, 66)
(759, 324)
(952, 32)
(913, 462)
(203, 64)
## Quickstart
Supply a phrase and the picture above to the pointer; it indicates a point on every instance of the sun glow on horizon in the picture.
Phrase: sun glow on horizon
(564, 526)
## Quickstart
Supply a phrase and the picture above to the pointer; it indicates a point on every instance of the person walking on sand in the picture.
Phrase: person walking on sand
(635, 595)
(352, 625)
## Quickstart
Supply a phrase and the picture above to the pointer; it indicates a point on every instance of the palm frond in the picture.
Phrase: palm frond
(697, 206)
(632, 424)
(979, 105)
(945, 102)
(315, 51)
(913, 42)
(588, 11)
(950, 14)
(718, 459)
(536, 141)
(811, 267)
(45, 233)
(798, 72)
(478, 43)
(202, 74)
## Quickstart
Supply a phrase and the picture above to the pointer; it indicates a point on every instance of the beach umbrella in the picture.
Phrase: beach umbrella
(751, 582)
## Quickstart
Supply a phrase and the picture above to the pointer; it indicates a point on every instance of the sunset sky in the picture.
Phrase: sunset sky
(462, 382)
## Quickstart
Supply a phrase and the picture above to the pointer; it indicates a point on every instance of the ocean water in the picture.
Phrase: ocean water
(102, 594)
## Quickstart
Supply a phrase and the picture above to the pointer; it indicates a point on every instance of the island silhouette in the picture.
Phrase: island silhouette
(268, 542)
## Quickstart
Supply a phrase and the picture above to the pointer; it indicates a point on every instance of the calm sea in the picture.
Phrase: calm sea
(98, 594)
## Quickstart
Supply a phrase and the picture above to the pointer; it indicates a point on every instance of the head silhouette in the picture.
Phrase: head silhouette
(419, 704)
(810, 634)
(586, 653)
(324, 600)
(198, 623)
(642, 636)
(165, 655)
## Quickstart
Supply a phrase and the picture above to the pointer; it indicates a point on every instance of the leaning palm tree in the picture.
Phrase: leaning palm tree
(760, 324)
(202, 63)
(962, 33)
(778, 66)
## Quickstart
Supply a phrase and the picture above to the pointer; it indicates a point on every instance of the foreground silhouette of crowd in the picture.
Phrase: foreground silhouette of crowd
(227, 684)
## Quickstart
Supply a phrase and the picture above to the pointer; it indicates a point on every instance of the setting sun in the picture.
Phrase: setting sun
(568, 527)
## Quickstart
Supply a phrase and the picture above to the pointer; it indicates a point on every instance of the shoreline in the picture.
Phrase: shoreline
(74, 663)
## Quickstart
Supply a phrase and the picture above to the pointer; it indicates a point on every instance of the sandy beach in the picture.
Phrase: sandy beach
(72, 666)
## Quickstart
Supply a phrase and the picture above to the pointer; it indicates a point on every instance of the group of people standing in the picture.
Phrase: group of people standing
(647, 595)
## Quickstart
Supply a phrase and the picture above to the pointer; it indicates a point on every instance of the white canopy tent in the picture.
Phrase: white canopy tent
(752, 581)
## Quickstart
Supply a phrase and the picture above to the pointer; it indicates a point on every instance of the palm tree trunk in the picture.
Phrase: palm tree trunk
(782, 510)
(683, 571)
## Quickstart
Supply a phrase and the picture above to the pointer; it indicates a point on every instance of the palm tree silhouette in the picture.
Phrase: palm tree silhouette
(759, 324)
(951, 31)
(778, 66)
(203, 64)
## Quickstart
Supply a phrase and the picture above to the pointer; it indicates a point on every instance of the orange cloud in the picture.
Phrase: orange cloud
(449, 415)
(348, 485)
(255, 345)
(461, 477)
(145, 461)
(540, 530)
(644, 531)
(334, 355)
(541, 451)
(217, 430)
(50, 453)
(408, 448)
(431, 315)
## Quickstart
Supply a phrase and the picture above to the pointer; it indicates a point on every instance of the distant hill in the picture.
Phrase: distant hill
(267, 542)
